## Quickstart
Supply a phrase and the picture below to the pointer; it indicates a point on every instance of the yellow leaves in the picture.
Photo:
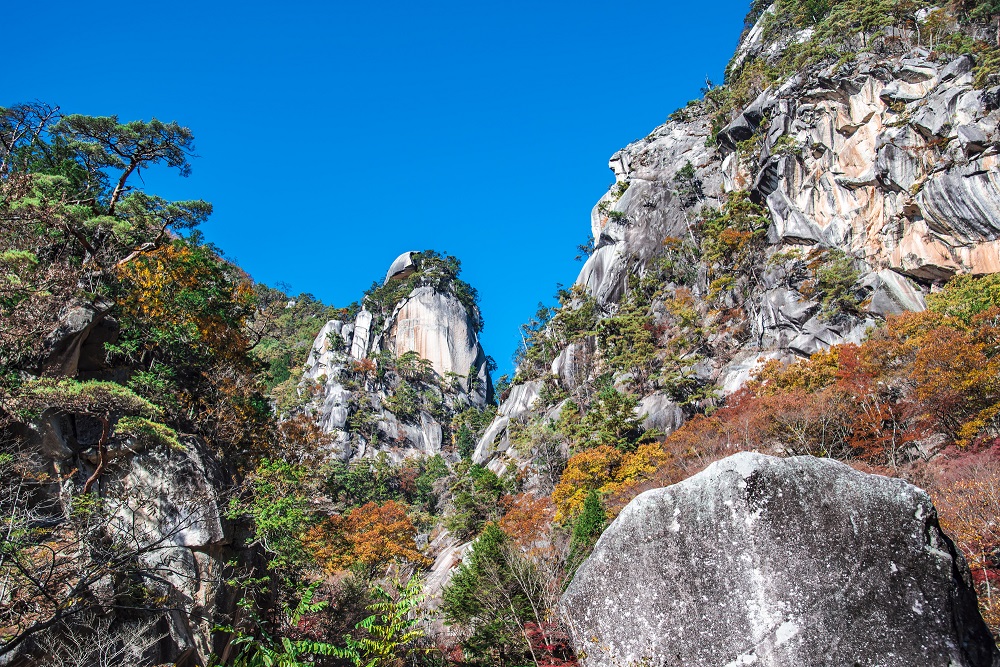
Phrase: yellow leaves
(819, 371)
(187, 288)
(590, 469)
(606, 470)
(641, 463)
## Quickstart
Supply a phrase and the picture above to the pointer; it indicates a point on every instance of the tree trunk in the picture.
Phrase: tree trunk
(120, 186)
(102, 455)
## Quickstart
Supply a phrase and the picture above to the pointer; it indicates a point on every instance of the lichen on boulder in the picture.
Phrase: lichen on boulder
(777, 562)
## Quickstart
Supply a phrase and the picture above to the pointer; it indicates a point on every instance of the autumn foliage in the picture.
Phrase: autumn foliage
(606, 470)
(967, 496)
(372, 536)
(528, 519)
(920, 398)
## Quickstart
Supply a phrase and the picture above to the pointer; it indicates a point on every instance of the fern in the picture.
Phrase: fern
(268, 651)
(392, 628)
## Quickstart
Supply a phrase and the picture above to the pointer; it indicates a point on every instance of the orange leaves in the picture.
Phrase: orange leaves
(189, 289)
(924, 377)
(968, 502)
(302, 440)
(364, 368)
(528, 519)
(371, 535)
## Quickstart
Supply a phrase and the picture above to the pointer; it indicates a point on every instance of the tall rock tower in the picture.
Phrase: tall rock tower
(392, 379)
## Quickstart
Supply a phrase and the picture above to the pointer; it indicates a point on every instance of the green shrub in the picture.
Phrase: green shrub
(492, 596)
(834, 282)
(966, 296)
(476, 495)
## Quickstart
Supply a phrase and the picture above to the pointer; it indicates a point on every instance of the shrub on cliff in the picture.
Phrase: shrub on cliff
(491, 596)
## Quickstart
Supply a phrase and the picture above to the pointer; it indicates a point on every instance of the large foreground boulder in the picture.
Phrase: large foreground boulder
(778, 562)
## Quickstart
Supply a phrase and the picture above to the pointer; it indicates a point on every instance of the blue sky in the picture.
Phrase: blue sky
(334, 136)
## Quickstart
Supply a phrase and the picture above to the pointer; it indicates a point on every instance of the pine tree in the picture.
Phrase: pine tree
(586, 529)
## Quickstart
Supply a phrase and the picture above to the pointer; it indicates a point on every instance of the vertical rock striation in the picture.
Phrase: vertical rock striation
(430, 322)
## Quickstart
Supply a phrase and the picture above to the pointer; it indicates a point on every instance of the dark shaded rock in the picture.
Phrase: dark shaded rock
(788, 224)
(760, 108)
(778, 562)
(401, 267)
(738, 130)
(784, 308)
(972, 139)
(991, 99)
(956, 68)
(767, 181)
(93, 354)
(63, 346)
(893, 294)
(745, 125)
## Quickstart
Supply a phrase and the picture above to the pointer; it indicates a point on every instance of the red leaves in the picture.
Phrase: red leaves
(967, 496)
(924, 378)
(550, 644)
(528, 518)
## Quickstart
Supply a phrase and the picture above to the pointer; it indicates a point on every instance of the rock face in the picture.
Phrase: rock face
(777, 562)
(180, 509)
(432, 323)
(437, 327)
(77, 342)
(401, 267)
(889, 160)
(521, 399)
(164, 504)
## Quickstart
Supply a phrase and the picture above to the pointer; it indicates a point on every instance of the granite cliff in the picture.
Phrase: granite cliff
(851, 190)
(413, 336)
(801, 262)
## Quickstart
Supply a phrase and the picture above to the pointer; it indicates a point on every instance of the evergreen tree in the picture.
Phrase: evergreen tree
(586, 530)
(492, 596)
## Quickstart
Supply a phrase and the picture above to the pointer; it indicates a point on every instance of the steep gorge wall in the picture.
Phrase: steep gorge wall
(890, 162)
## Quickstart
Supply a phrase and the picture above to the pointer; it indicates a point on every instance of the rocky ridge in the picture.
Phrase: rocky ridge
(882, 169)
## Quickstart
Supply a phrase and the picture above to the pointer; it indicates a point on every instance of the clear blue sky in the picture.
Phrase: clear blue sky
(333, 136)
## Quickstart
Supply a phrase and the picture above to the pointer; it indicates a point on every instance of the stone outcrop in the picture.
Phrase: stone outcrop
(437, 327)
(892, 161)
(401, 267)
(76, 344)
(495, 441)
(777, 562)
(178, 506)
(164, 504)
(433, 324)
